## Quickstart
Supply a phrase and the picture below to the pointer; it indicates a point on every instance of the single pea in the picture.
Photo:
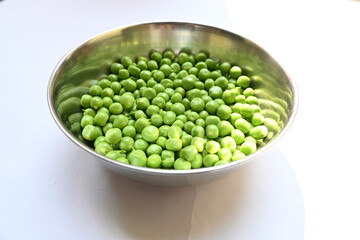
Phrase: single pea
(248, 147)
(90, 133)
(197, 162)
(186, 66)
(259, 132)
(237, 155)
(123, 74)
(113, 77)
(129, 131)
(240, 99)
(243, 81)
(212, 120)
(137, 158)
(200, 122)
(116, 108)
(181, 117)
(107, 101)
(96, 102)
(212, 146)
(209, 83)
(153, 65)
(246, 110)
(168, 163)
(161, 141)
(142, 64)
(101, 118)
(228, 142)
(194, 71)
(145, 75)
(150, 133)
(233, 117)
(141, 123)
(126, 144)
(120, 121)
(212, 131)
(257, 119)
(182, 164)
(103, 148)
(197, 131)
(225, 154)
(229, 96)
(114, 154)
(197, 104)
(221, 162)
(223, 112)
(115, 67)
(141, 144)
(140, 83)
(238, 136)
(163, 130)
(215, 92)
(173, 144)
(85, 100)
(199, 143)
(210, 159)
(142, 103)
(156, 120)
(87, 120)
(248, 92)
(188, 82)
(192, 116)
(175, 132)
(154, 161)
(189, 152)
(152, 109)
(186, 103)
(243, 125)
(225, 67)
(235, 72)
(107, 127)
(176, 97)
(225, 128)
(158, 75)
(95, 90)
(103, 110)
(149, 93)
(169, 53)
(154, 149)
(89, 111)
(134, 71)
(186, 140)
(122, 160)
(203, 115)
(126, 61)
(113, 135)
(167, 154)
(183, 57)
(127, 100)
(169, 117)
(221, 82)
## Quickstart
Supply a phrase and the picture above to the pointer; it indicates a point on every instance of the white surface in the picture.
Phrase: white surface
(50, 189)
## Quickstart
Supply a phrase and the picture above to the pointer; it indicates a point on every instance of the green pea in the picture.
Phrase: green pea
(221, 162)
(229, 96)
(235, 72)
(137, 158)
(129, 131)
(154, 161)
(225, 128)
(240, 99)
(248, 92)
(198, 131)
(197, 104)
(122, 160)
(243, 81)
(126, 144)
(223, 112)
(225, 154)
(85, 100)
(127, 100)
(167, 154)
(141, 123)
(126, 61)
(90, 112)
(248, 147)
(237, 155)
(101, 118)
(96, 102)
(154, 149)
(222, 82)
(182, 164)
(199, 143)
(212, 131)
(107, 127)
(115, 67)
(113, 135)
(114, 154)
(189, 152)
(188, 82)
(120, 121)
(215, 92)
(210, 159)
(233, 117)
(116, 108)
(95, 90)
(186, 140)
(173, 144)
(197, 162)
(259, 132)
(169, 117)
(168, 163)
(212, 120)
(209, 83)
(107, 101)
(238, 136)
(90, 133)
(243, 125)
(141, 144)
(87, 120)
(161, 141)
(149, 93)
(103, 148)
(186, 103)
(257, 119)
(175, 132)
(212, 146)
(150, 133)
(229, 143)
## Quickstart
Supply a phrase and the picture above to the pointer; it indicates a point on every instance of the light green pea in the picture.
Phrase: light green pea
(259, 132)
(113, 135)
(212, 146)
(248, 147)
(137, 158)
(154, 161)
(210, 159)
(182, 164)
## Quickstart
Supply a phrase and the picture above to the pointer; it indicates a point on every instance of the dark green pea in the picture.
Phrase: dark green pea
(149, 93)
(183, 58)
(142, 65)
(210, 160)
(225, 67)
(126, 61)
(129, 85)
(186, 103)
(154, 161)
(153, 65)
(175, 67)
(115, 67)
(95, 90)
(104, 83)
(156, 56)
(137, 158)
(123, 74)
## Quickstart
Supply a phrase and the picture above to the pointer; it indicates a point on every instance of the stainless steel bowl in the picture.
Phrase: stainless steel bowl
(85, 63)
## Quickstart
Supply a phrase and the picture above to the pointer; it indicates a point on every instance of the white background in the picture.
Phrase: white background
(306, 187)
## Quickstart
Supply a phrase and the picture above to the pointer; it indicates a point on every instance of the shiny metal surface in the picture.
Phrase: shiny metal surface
(87, 62)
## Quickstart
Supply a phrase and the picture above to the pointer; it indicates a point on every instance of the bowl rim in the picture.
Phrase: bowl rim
(173, 172)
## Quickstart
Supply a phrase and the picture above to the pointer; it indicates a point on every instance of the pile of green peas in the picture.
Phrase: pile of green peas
(173, 111)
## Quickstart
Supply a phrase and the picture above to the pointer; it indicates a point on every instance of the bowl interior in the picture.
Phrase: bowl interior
(88, 62)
